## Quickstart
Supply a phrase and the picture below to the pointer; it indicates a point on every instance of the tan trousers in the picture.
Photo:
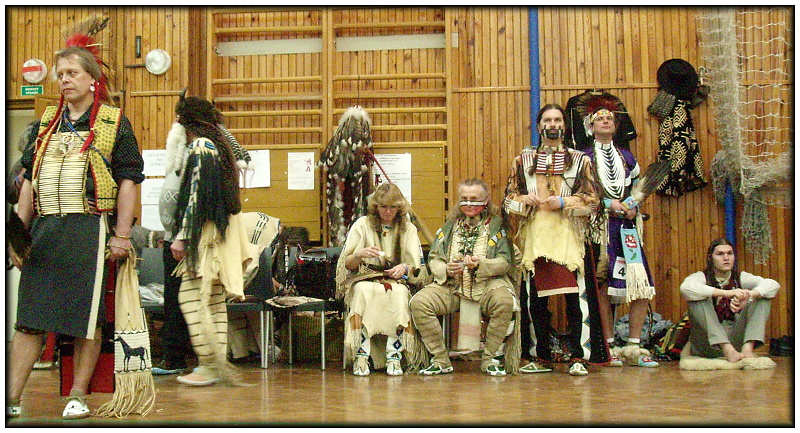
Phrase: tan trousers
(207, 319)
(435, 300)
(707, 332)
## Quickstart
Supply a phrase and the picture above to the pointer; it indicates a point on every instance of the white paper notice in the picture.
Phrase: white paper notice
(151, 189)
(154, 162)
(257, 176)
(398, 168)
(150, 217)
(300, 170)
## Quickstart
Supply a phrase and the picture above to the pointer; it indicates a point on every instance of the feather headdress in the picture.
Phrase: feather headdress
(82, 36)
(595, 103)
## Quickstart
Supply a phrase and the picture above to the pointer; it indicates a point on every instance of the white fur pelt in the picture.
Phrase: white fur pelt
(630, 353)
(176, 148)
(691, 362)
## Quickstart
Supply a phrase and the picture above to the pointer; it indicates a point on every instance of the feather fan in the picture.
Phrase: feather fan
(653, 176)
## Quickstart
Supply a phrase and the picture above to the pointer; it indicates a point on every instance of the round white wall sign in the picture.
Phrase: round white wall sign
(157, 61)
(34, 71)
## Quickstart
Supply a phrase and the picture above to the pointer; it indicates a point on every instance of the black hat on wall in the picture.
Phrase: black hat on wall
(678, 77)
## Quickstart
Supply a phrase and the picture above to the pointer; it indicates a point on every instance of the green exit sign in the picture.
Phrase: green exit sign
(31, 90)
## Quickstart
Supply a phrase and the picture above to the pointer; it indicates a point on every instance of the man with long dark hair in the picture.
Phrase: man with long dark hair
(211, 243)
(728, 309)
(174, 334)
(550, 194)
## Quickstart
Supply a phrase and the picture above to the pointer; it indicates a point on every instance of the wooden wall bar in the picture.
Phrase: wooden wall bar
(404, 90)
(462, 111)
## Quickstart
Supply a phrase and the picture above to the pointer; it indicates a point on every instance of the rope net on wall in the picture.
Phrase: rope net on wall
(748, 54)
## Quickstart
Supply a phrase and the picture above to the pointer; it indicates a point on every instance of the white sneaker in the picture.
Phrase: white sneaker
(76, 408)
(435, 369)
(495, 370)
(393, 367)
(13, 410)
(361, 366)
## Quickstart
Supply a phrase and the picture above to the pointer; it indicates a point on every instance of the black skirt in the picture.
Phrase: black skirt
(61, 286)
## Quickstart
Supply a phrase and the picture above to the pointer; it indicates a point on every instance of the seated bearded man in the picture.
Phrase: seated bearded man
(473, 266)
(381, 259)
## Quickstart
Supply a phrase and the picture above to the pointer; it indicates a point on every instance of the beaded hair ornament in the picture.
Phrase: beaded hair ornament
(598, 113)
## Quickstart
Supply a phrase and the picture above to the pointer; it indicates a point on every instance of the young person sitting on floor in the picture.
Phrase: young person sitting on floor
(728, 308)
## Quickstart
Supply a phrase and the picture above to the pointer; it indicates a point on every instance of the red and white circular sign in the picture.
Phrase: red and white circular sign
(34, 71)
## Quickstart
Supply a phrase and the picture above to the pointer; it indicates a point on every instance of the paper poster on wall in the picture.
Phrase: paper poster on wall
(151, 189)
(150, 218)
(300, 170)
(154, 162)
(398, 168)
(258, 175)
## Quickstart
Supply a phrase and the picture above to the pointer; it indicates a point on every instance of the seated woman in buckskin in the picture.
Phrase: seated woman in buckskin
(380, 260)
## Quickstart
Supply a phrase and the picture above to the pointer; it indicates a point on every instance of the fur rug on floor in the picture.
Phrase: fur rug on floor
(629, 354)
(691, 362)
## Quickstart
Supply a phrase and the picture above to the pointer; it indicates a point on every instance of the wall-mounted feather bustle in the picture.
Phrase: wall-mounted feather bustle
(348, 172)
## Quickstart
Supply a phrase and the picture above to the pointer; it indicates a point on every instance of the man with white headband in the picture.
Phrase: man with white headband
(474, 272)
(550, 194)
(622, 265)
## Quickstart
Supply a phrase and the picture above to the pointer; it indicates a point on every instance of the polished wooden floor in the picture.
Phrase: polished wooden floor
(304, 394)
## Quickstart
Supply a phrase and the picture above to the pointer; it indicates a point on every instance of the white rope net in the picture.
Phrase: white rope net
(748, 53)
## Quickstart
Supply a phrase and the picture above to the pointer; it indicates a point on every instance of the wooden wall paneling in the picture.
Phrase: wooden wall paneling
(292, 117)
(361, 77)
(568, 45)
(296, 208)
(639, 45)
(604, 47)
(40, 51)
(574, 16)
(498, 129)
(426, 183)
(211, 24)
(18, 20)
(779, 271)
(54, 40)
(625, 36)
